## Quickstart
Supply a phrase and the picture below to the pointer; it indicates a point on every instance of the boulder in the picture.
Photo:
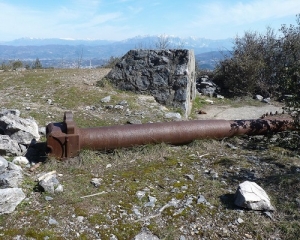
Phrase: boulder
(11, 175)
(16, 133)
(3, 164)
(259, 97)
(19, 129)
(167, 75)
(206, 86)
(49, 182)
(252, 196)
(22, 137)
(9, 199)
(9, 146)
(6, 112)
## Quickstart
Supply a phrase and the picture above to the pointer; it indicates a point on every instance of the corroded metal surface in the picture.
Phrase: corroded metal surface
(65, 139)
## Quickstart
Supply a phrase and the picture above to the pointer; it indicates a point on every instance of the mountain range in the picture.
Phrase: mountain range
(56, 52)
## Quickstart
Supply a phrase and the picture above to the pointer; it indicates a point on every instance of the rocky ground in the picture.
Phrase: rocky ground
(158, 191)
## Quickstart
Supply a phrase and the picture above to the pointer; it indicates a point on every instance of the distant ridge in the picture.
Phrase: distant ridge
(57, 49)
(144, 41)
(53, 41)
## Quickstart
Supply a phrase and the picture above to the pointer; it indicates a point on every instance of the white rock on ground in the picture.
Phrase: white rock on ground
(9, 199)
(105, 99)
(145, 234)
(20, 160)
(173, 115)
(49, 182)
(252, 196)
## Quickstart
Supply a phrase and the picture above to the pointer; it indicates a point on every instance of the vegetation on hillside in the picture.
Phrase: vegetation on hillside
(262, 63)
(18, 64)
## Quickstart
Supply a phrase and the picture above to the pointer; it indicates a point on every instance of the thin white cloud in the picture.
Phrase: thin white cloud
(16, 21)
(221, 13)
(96, 21)
(119, 19)
(74, 22)
(135, 10)
(155, 3)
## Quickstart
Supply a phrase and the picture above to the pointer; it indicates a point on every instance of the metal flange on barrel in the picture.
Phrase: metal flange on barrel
(63, 138)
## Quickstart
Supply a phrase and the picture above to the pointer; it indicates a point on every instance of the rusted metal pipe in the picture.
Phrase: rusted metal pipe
(65, 139)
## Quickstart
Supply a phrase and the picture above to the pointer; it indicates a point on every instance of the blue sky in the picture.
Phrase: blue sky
(122, 19)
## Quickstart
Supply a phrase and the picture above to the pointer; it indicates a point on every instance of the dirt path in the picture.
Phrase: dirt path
(236, 113)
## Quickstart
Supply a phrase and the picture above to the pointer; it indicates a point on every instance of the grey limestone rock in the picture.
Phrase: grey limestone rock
(145, 234)
(106, 99)
(11, 175)
(52, 221)
(206, 86)
(96, 182)
(167, 75)
(6, 112)
(19, 128)
(49, 182)
(9, 146)
(173, 115)
(22, 137)
(259, 97)
(3, 164)
(252, 196)
(9, 199)
(201, 199)
(151, 202)
(20, 160)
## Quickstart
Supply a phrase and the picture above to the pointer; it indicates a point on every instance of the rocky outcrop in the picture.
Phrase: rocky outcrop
(16, 132)
(167, 75)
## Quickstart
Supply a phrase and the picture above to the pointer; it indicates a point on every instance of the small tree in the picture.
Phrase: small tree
(37, 64)
(163, 42)
(5, 66)
(289, 74)
(79, 59)
(180, 44)
(17, 64)
(111, 62)
(250, 69)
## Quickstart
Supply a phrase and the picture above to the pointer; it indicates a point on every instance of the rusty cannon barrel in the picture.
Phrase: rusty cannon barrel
(65, 139)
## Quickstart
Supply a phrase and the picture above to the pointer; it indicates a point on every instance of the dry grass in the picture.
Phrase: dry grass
(159, 170)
